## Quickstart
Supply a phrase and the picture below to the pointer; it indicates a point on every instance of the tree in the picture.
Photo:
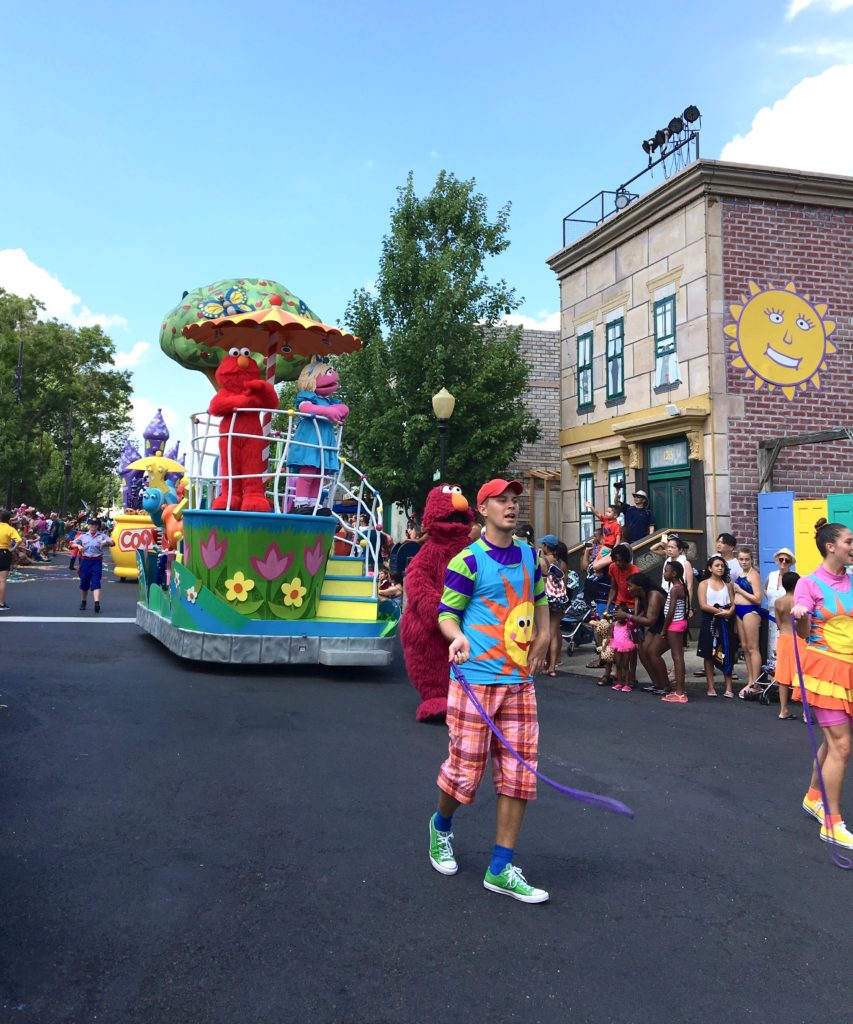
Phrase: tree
(433, 321)
(68, 381)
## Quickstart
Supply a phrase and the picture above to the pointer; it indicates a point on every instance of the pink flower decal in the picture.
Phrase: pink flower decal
(273, 564)
(213, 550)
(314, 557)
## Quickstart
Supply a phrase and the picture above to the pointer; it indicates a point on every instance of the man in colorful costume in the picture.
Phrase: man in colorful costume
(493, 596)
(447, 522)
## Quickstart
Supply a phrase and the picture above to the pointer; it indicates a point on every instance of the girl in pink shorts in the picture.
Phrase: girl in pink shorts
(676, 613)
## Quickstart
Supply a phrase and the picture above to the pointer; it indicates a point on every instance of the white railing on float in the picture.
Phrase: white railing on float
(345, 493)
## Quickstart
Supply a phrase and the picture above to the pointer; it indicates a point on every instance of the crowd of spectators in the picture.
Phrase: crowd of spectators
(44, 535)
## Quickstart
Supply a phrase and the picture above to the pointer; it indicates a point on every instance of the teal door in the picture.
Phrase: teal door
(669, 483)
(670, 501)
(839, 509)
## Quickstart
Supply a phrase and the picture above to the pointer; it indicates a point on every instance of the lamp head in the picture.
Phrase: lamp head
(443, 404)
(691, 114)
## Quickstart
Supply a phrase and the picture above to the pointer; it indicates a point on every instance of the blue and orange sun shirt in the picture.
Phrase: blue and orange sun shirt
(492, 593)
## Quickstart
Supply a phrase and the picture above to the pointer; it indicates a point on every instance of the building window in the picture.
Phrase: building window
(667, 371)
(584, 371)
(615, 359)
(586, 492)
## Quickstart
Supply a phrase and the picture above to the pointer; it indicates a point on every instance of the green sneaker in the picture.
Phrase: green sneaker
(440, 850)
(511, 882)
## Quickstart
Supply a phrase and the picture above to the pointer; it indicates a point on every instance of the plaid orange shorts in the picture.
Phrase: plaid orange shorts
(513, 710)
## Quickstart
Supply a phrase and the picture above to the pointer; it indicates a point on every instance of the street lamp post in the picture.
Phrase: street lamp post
(19, 379)
(67, 465)
(442, 405)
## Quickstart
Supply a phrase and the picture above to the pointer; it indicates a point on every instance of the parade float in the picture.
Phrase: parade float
(254, 578)
(134, 528)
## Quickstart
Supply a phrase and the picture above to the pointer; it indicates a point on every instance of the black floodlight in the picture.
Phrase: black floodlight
(622, 198)
(648, 146)
(691, 114)
(661, 136)
(675, 126)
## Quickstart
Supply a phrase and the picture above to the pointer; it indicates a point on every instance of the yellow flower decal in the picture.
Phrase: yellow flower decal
(237, 589)
(293, 592)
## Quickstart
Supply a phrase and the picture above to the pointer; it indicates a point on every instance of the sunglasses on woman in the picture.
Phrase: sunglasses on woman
(782, 558)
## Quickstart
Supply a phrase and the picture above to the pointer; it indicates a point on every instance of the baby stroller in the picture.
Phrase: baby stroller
(574, 626)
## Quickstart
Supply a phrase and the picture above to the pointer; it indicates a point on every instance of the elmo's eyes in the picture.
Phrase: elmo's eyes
(245, 351)
(447, 489)
(233, 351)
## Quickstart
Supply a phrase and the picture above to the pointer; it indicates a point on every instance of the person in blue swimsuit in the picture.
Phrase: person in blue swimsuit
(748, 596)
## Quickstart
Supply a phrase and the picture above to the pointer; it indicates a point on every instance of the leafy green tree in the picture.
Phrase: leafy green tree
(68, 383)
(433, 321)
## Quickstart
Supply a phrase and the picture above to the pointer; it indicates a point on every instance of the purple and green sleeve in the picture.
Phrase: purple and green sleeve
(461, 575)
(459, 578)
(539, 598)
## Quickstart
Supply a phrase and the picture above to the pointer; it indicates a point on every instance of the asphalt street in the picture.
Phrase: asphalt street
(188, 844)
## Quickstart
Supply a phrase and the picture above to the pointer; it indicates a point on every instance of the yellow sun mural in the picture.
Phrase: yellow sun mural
(781, 338)
(513, 632)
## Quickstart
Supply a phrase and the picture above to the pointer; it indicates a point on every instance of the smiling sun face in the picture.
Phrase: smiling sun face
(780, 338)
(513, 631)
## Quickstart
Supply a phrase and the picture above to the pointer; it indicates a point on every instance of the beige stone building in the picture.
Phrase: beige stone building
(645, 299)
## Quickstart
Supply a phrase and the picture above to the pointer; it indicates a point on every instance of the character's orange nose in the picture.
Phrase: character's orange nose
(243, 362)
(459, 502)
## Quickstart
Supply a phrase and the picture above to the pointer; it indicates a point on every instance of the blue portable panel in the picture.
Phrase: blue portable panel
(775, 527)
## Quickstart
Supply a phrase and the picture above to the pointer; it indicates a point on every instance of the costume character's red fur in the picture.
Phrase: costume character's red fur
(240, 387)
(447, 521)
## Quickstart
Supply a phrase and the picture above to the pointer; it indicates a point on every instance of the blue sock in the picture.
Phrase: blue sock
(501, 856)
(442, 824)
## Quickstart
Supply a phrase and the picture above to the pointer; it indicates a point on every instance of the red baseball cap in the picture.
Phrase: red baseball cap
(495, 487)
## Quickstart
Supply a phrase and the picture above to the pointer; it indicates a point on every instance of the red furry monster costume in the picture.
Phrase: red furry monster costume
(447, 521)
(241, 386)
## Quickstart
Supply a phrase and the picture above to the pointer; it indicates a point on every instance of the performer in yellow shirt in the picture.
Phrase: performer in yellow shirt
(9, 538)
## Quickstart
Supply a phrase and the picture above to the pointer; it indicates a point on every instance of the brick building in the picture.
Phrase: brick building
(538, 464)
(706, 335)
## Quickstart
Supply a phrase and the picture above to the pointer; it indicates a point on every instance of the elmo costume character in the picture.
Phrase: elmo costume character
(447, 522)
(316, 385)
(241, 460)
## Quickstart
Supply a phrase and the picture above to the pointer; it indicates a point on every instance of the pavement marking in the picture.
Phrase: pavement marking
(60, 618)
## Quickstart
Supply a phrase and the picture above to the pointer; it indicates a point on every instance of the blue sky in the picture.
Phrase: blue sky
(156, 148)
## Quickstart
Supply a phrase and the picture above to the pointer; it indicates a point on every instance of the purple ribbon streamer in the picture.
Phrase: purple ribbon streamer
(603, 803)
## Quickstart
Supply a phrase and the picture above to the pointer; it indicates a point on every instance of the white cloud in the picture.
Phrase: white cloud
(127, 360)
(18, 274)
(805, 129)
(835, 49)
(796, 7)
(543, 321)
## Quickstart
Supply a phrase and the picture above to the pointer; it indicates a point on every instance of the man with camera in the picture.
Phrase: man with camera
(638, 519)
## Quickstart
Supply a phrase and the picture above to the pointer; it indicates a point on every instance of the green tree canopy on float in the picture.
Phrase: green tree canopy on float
(68, 378)
(224, 298)
(433, 321)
